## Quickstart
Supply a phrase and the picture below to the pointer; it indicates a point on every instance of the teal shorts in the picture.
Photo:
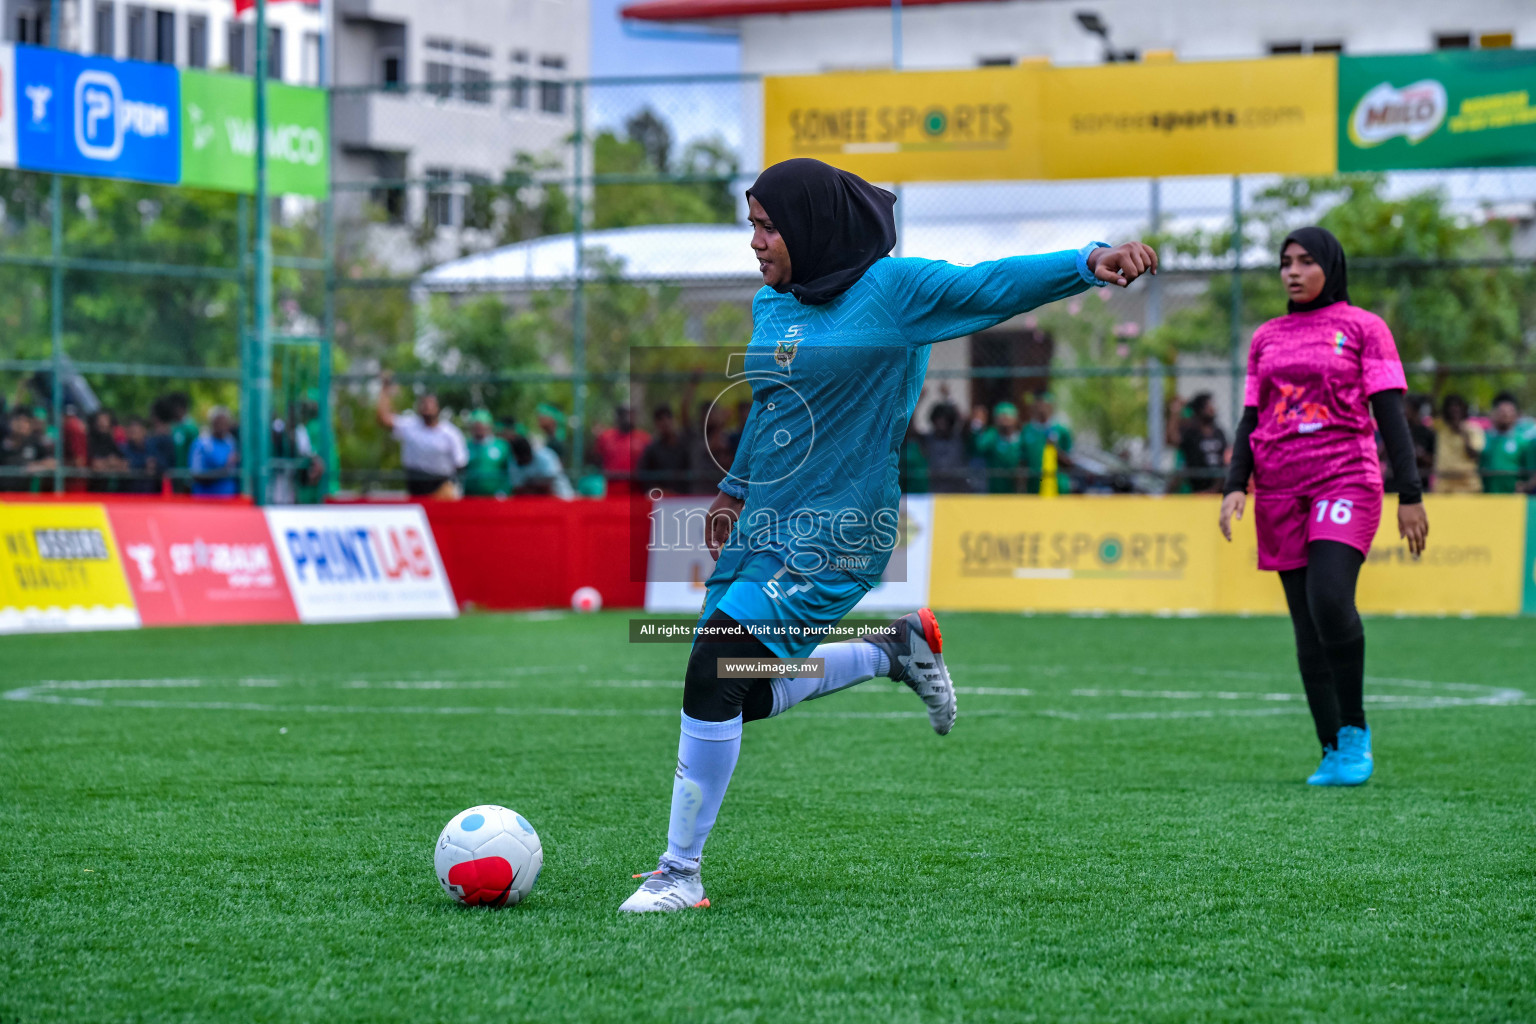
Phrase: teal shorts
(789, 613)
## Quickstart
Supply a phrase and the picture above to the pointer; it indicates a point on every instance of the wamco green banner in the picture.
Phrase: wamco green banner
(1468, 108)
(218, 136)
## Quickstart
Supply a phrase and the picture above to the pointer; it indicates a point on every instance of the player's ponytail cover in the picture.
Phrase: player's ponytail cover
(835, 225)
(1325, 249)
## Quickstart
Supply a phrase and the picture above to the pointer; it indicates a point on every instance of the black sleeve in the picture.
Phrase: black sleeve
(1392, 421)
(1242, 452)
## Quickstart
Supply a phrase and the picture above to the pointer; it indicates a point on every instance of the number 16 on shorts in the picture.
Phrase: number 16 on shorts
(1349, 518)
(1335, 510)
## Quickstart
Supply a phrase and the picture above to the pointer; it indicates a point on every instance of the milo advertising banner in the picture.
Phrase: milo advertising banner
(1471, 108)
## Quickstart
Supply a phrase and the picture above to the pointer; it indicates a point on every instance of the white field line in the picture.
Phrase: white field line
(56, 692)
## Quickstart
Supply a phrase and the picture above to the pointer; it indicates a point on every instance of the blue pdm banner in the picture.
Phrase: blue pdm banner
(91, 115)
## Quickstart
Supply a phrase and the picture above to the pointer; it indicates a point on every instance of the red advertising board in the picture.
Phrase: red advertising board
(191, 565)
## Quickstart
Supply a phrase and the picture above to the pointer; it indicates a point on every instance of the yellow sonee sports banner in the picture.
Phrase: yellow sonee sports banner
(1273, 116)
(1277, 115)
(1165, 554)
(60, 569)
(1471, 566)
(912, 126)
(1006, 553)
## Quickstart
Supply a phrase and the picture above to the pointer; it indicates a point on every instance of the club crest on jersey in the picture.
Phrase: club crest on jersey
(784, 351)
(1291, 409)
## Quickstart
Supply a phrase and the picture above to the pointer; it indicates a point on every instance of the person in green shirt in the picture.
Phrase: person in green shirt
(1043, 430)
(914, 461)
(1001, 448)
(488, 473)
(1508, 460)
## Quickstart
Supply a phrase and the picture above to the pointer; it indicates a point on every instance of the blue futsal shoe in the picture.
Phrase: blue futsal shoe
(1355, 763)
(1327, 773)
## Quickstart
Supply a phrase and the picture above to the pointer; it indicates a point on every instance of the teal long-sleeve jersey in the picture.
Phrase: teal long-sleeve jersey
(833, 388)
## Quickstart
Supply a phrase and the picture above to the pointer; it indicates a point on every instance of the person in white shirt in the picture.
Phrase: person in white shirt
(432, 449)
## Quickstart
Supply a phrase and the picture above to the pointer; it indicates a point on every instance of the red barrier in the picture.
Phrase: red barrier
(534, 552)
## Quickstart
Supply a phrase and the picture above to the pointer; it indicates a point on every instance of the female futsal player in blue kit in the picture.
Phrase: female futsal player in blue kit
(807, 518)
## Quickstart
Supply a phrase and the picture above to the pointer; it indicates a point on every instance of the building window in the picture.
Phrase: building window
(1474, 41)
(275, 53)
(197, 40)
(477, 85)
(518, 94)
(165, 37)
(439, 79)
(552, 91)
(237, 49)
(32, 26)
(391, 69)
(106, 29)
(1291, 46)
(439, 198)
(995, 62)
(138, 33)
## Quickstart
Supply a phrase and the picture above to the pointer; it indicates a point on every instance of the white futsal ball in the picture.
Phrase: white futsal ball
(488, 856)
(586, 599)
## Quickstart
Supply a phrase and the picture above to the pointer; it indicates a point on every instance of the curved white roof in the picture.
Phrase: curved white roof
(667, 251)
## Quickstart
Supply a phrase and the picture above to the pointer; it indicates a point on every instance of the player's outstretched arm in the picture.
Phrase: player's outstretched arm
(936, 301)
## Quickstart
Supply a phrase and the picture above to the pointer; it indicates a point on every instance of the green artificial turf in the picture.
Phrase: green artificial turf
(1116, 830)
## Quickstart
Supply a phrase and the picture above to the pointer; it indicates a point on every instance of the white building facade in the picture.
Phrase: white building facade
(186, 33)
(796, 36)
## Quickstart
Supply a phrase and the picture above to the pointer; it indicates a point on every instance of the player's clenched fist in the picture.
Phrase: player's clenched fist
(1123, 263)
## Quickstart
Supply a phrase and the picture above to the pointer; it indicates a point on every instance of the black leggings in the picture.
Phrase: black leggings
(1330, 642)
(709, 698)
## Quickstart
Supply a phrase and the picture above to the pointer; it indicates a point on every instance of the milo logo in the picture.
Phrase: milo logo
(1413, 112)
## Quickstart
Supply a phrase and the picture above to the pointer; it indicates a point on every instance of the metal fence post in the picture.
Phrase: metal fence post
(579, 287)
(1156, 427)
(56, 325)
(1235, 328)
(244, 332)
(56, 291)
(325, 444)
(261, 381)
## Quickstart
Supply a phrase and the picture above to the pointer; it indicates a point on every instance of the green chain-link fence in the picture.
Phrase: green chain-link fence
(520, 289)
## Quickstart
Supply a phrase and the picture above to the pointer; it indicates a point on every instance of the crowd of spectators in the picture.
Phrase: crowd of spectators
(1456, 452)
(100, 453)
(1008, 448)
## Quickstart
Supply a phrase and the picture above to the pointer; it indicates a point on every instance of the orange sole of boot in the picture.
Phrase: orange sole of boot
(931, 630)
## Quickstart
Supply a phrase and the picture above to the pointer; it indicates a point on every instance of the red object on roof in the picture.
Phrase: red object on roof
(697, 10)
(241, 6)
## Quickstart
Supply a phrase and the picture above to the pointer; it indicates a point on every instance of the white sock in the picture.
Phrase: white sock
(706, 757)
(847, 664)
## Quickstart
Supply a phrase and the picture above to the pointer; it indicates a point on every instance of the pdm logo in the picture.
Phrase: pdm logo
(90, 115)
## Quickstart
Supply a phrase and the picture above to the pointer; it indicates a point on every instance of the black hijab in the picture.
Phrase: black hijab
(1329, 254)
(835, 225)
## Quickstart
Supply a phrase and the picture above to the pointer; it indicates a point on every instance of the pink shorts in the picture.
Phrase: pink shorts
(1348, 512)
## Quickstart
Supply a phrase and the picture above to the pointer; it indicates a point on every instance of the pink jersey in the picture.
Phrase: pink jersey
(1311, 376)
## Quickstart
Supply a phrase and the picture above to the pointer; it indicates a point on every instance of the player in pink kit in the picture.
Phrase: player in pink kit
(1315, 376)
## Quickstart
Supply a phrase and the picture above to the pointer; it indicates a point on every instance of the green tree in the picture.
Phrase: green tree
(1110, 408)
(694, 188)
